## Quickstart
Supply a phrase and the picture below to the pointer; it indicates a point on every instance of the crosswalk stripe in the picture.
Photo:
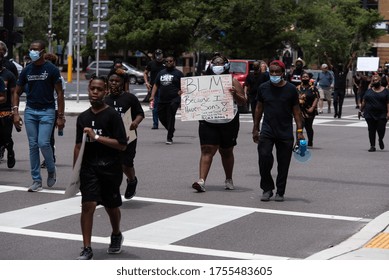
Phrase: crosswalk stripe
(181, 226)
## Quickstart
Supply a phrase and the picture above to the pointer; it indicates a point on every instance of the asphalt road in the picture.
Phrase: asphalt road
(327, 200)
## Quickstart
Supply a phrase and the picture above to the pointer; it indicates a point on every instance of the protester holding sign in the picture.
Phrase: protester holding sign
(220, 134)
(123, 101)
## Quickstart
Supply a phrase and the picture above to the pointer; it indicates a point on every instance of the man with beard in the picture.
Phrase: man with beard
(168, 83)
(101, 171)
(123, 101)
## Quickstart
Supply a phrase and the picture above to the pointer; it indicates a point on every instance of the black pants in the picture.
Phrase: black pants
(6, 126)
(308, 125)
(376, 126)
(284, 149)
(339, 95)
(167, 116)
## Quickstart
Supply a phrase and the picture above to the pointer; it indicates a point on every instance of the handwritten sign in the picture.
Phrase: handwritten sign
(206, 98)
(368, 63)
(127, 120)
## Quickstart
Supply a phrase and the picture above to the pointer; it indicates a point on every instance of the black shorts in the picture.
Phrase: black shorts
(102, 184)
(129, 154)
(220, 134)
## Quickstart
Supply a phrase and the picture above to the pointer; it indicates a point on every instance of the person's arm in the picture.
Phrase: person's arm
(257, 120)
(299, 122)
(110, 142)
(146, 78)
(238, 93)
(135, 123)
(61, 105)
(15, 107)
(153, 92)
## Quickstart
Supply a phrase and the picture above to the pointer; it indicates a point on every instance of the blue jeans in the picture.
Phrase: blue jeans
(155, 110)
(39, 125)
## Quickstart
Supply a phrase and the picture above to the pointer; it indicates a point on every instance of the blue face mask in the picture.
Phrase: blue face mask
(275, 79)
(34, 55)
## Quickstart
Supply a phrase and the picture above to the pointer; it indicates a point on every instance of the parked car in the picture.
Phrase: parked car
(135, 75)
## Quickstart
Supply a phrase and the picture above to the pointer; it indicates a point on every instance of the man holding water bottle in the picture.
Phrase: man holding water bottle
(277, 101)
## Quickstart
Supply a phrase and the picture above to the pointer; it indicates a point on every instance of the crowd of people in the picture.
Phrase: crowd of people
(277, 99)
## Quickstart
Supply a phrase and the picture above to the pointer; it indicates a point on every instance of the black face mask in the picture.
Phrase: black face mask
(305, 82)
(299, 66)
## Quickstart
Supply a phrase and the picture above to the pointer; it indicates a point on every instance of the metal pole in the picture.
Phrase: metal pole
(70, 44)
(78, 49)
(50, 26)
(98, 38)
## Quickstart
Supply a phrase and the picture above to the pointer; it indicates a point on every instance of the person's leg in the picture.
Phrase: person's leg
(46, 123)
(155, 111)
(171, 119)
(284, 154)
(342, 94)
(87, 211)
(206, 158)
(7, 142)
(336, 100)
(381, 129)
(372, 129)
(227, 155)
(114, 218)
(253, 104)
(31, 122)
(162, 114)
(308, 124)
(265, 162)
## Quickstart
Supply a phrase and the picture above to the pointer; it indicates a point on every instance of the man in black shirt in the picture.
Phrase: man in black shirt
(278, 102)
(5, 62)
(168, 84)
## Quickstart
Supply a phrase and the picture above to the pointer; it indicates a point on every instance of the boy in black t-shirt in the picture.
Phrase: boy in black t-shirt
(101, 172)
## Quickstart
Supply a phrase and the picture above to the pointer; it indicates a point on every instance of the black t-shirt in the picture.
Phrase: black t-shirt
(106, 123)
(154, 67)
(376, 104)
(278, 105)
(123, 102)
(340, 78)
(307, 95)
(10, 83)
(295, 76)
(169, 83)
(254, 80)
(10, 66)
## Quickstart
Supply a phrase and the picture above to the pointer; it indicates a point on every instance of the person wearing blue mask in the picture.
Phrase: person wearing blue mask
(278, 102)
(39, 79)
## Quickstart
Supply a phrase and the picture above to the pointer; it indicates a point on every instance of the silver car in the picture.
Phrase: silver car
(105, 66)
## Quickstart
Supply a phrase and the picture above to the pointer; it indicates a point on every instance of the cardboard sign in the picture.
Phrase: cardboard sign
(368, 63)
(74, 186)
(127, 120)
(206, 98)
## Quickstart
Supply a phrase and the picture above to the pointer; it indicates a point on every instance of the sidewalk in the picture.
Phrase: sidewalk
(370, 243)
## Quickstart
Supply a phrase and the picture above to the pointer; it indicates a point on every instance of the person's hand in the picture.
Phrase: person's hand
(90, 132)
(148, 86)
(255, 136)
(300, 136)
(60, 123)
(133, 125)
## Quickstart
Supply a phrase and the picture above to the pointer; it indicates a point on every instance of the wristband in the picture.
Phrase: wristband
(97, 137)
(299, 131)
(15, 107)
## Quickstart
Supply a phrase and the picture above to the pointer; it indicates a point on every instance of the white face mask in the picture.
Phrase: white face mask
(218, 69)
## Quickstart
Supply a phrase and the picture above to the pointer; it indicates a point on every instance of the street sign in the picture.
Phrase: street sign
(101, 1)
(83, 3)
(82, 40)
(102, 44)
(83, 12)
(104, 25)
(103, 10)
(83, 26)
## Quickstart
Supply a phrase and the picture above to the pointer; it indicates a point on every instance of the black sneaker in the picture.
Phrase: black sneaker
(116, 244)
(382, 145)
(86, 254)
(169, 141)
(266, 196)
(279, 198)
(131, 188)
(11, 159)
(372, 149)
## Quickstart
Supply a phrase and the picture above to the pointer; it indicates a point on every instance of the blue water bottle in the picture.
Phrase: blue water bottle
(60, 132)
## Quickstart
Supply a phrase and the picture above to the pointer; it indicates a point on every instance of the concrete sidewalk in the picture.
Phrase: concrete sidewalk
(370, 243)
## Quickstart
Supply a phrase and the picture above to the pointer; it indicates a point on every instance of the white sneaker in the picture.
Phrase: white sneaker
(199, 185)
(229, 184)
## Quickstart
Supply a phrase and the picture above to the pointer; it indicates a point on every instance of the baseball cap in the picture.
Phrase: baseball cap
(279, 63)
(2, 85)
